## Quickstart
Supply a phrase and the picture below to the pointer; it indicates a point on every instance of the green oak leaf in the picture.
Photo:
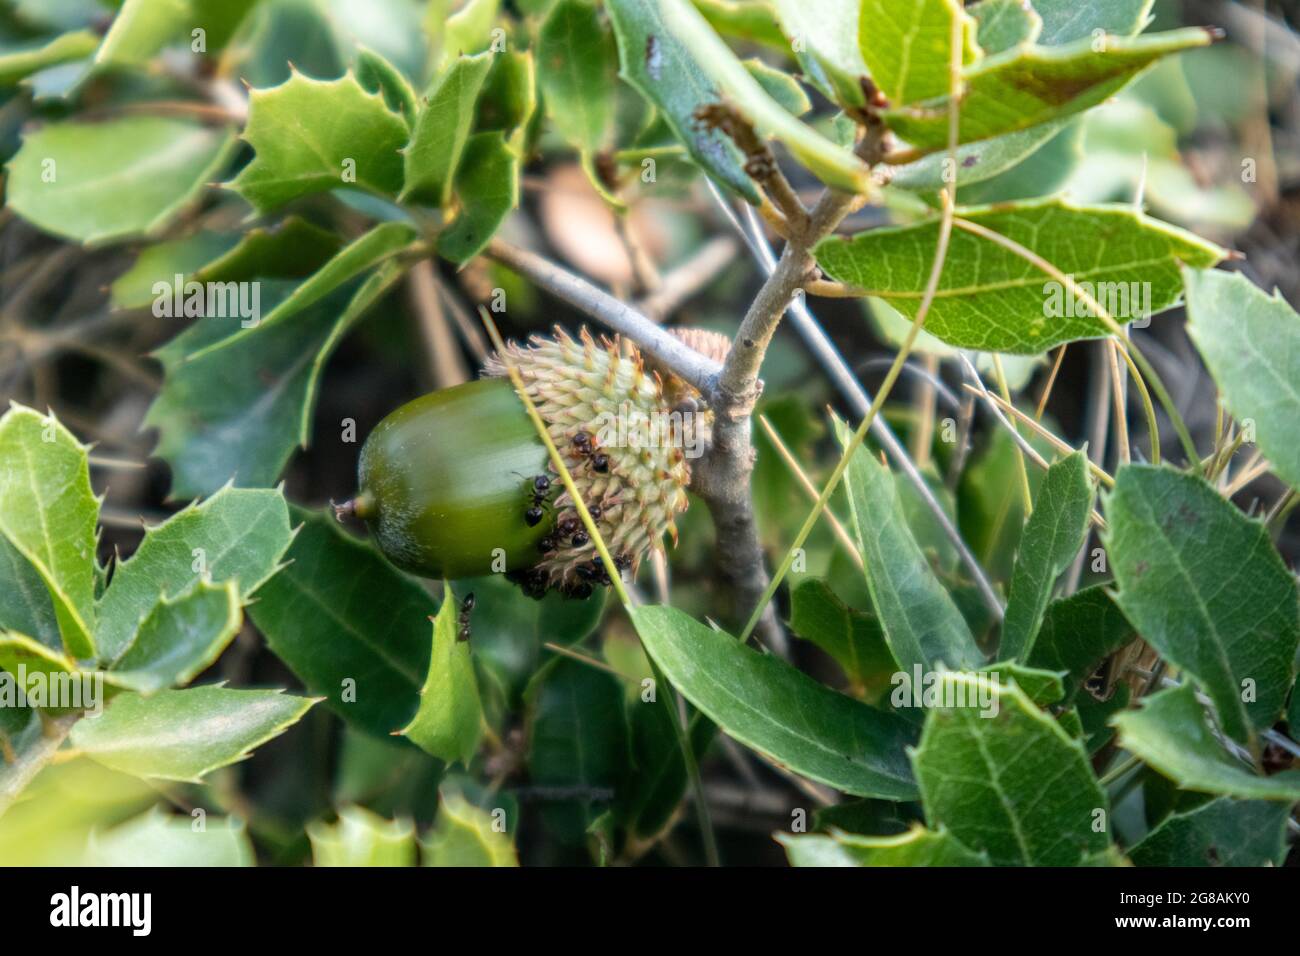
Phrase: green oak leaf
(20, 63)
(781, 86)
(766, 704)
(381, 243)
(577, 744)
(377, 75)
(655, 61)
(922, 625)
(48, 514)
(25, 604)
(1028, 85)
(976, 162)
(1014, 785)
(1079, 632)
(1052, 537)
(1251, 343)
(214, 429)
(237, 535)
(833, 164)
(917, 847)
(1170, 732)
(908, 46)
(179, 638)
(314, 136)
(1223, 832)
(125, 177)
(353, 628)
(577, 60)
(162, 262)
(157, 838)
(465, 835)
(185, 734)
(1004, 24)
(853, 638)
(1204, 586)
(1068, 20)
(991, 299)
(449, 719)
(487, 186)
(142, 28)
(362, 838)
(508, 99)
(828, 30)
(441, 130)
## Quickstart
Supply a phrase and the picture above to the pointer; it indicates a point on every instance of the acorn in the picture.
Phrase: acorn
(459, 484)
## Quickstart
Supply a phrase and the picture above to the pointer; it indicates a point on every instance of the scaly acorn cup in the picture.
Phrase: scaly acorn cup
(459, 484)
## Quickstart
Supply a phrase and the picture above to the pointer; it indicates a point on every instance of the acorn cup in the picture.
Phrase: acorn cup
(458, 483)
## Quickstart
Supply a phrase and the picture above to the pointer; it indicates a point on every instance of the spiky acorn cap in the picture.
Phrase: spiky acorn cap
(598, 399)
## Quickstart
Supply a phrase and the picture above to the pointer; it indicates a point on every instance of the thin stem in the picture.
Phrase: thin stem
(1123, 452)
(1059, 444)
(1189, 446)
(948, 196)
(807, 484)
(667, 350)
(1026, 495)
(1051, 382)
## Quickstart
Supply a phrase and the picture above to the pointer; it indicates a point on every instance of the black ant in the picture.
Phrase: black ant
(587, 448)
(541, 485)
(466, 606)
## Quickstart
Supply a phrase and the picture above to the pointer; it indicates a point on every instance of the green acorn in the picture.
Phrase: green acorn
(458, 483)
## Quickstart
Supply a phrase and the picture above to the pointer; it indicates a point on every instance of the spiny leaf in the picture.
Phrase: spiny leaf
(1171, 734)
(313, 136)
(362, 838)
(922, 625)
(441, 130)
(180, 637)
(1053, 535)
(1251, 342)
(1013, 784)
(48, 515)
(464, 835)
(1028, 85)
(993, 300)
(238, 534)
(1203, 585)
(917, 847)
(448, 721)
(156, 838)
(97, 182)
(766, 704)
(907, 46)
(185, 734)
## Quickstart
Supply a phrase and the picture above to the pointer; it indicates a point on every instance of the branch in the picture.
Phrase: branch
(666, 350)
